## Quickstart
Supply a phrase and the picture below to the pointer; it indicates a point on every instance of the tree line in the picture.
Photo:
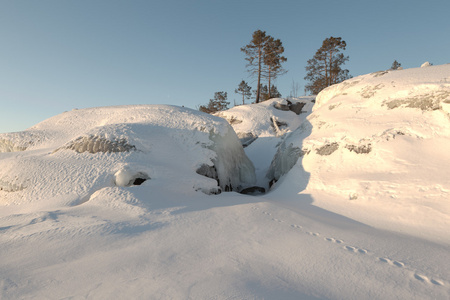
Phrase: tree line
(264, 56)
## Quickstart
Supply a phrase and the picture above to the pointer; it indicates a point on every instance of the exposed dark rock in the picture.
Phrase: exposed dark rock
(275, 123)
(233, 120)
(379, 73)
(297, 107)
(208, 171)
(294, 107)
(361, 149)
(327, 149)
(427, 102)
(8, 146)
(272, 182)
(95, 144)
(254, 190)
(10, 187)
(284, 107)
(246, 138)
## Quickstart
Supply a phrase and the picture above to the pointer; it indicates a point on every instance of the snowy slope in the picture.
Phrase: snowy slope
(73, 225)
(376, 150)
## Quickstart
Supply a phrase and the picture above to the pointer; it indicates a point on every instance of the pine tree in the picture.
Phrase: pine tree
(274, 93)
(217, 104)
(264, 92)
(273, 50)
(395, 65)
(254, 52)
(324, 69)
(245, 90)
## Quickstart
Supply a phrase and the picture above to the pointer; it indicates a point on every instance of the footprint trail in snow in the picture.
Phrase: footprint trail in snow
(414, 274)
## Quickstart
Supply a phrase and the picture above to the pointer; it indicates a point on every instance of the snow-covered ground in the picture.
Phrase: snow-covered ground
(358, 206)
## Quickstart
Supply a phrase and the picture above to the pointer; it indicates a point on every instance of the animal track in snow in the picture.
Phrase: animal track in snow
(425, 279)
(392, 262)
(334, 240)
(357, 250)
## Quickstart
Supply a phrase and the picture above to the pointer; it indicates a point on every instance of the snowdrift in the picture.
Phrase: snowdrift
(375, 148)
(72, 156)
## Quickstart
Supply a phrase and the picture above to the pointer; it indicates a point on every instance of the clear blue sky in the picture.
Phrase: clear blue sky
(59, 55)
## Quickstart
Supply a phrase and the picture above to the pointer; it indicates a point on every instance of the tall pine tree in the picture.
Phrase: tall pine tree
(254, 52)
(273, 50)
(324, 69)
(245, 90)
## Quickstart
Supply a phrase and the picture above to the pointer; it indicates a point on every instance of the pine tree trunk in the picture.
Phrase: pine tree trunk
(259, 76)
(243, 101)
(331, 65)
(269, 85)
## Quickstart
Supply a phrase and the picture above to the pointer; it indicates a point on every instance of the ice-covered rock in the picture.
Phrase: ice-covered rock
(77, 153)
(262, 128)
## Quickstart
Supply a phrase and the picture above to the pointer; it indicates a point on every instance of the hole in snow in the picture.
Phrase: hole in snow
(139, 181)
(126, 177)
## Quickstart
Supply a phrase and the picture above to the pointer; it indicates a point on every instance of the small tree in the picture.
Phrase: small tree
(217, 104)
(294, 89)
(274, 93)
(264, 92)
(395, 65)
(245, 90)
(324, 69)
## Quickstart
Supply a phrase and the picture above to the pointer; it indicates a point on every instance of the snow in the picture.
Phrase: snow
(358, 208)
(74, 154)
(267, 126)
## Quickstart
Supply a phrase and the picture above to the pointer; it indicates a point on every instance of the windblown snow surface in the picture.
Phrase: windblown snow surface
(107, 203)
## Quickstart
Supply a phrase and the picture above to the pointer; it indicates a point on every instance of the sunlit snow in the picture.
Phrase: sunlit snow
(129, 202)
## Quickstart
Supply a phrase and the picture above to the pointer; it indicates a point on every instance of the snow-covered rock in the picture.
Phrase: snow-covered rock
(426, 64)
(71, 156)
(380, 140)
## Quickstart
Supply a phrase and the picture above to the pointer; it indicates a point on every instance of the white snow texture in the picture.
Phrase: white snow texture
(111, 202)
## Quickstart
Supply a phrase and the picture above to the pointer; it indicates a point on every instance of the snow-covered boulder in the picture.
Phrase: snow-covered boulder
(273, 117)
(73, 155)
(380, 140)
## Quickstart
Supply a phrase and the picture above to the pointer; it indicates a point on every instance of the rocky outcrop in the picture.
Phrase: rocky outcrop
(95, 144)
(287, 105)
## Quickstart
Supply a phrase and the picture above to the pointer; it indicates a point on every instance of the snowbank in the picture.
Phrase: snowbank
(73, 155)
(377, 149)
